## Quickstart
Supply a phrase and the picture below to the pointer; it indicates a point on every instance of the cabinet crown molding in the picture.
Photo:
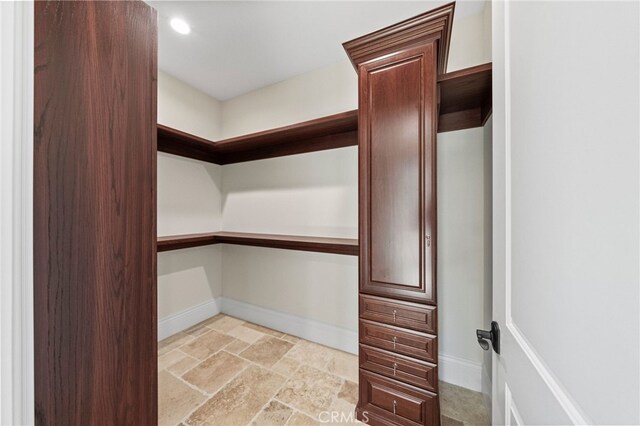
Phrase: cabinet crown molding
(434, 25)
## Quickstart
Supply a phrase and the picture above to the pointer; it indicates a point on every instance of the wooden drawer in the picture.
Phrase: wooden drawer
(399, 367)
(403, 314)
(402, 341)
(387, 401)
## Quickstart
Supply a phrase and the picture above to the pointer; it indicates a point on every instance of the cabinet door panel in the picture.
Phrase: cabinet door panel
(397, 145)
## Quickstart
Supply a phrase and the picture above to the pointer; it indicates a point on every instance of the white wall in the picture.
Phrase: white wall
(189, 201)
(470, 40)
(460, 243)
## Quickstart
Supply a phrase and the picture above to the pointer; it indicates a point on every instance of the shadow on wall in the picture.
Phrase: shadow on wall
(306, 194)
(187, 277)
(317, 286)
(329, 168)
(189, 194)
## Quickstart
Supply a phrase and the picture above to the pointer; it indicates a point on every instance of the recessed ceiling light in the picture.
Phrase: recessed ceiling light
(180, 26)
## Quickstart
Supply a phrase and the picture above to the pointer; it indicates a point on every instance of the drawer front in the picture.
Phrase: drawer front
(412, 343)
(399, 367)
(396, 402)
(403, 314)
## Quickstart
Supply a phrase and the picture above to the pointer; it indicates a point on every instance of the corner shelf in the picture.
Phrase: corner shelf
(333, 131)
(465, 98)
(176, 242)
(346, 246)
(465, 102)
(175, 142)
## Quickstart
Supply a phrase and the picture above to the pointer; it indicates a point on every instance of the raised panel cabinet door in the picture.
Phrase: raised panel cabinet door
(398, 113)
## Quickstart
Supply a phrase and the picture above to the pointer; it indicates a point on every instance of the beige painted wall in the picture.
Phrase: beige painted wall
(318, 93)
(189, 200)
(316, 194)
(306, 194)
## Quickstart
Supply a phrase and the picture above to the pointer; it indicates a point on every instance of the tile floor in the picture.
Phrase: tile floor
(225, 371)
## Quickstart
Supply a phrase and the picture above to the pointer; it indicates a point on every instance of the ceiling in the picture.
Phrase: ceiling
(239, 46)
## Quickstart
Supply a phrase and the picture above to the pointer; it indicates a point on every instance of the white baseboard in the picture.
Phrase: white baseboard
(460, 372)
(180, 321)
(315, 331)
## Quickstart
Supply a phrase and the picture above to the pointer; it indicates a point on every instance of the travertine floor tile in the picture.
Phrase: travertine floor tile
(176, 362)
(448, 421)
(299, 419)
(463, 405)
(197, 329)
(344, 365)
(175, 399)
(266, 351)
(224, 323)
(341, 412)
(173, 342)
(206, 345)
(213, 319)
(311, 353)
(291, 339)
(236, 346)
(264, 330)
(240, 400)
(169, 359)
(349, 392)
(286, 366)
(310, 390)
(183, 365)
(245, 334)
(319, 380)
(274, 414)
(212, 373)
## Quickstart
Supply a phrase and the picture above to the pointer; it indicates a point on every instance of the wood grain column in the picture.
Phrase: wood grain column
(95, 213)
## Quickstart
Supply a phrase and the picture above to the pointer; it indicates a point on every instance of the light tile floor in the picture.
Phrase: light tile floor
(225, 371)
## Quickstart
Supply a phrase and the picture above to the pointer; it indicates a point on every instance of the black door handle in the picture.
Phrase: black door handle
(493, 336)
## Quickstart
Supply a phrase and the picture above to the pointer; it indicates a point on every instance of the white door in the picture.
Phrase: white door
(566, 212)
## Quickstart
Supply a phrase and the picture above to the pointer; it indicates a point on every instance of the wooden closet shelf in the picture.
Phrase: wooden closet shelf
(175, 142)
(346, 246)
(334, 131)
(465, 102)
(176, 242)
(465, 98)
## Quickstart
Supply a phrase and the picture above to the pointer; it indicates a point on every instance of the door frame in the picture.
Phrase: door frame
(16, 214)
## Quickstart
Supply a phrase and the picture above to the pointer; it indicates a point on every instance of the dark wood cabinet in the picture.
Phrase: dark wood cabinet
(398, 69)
